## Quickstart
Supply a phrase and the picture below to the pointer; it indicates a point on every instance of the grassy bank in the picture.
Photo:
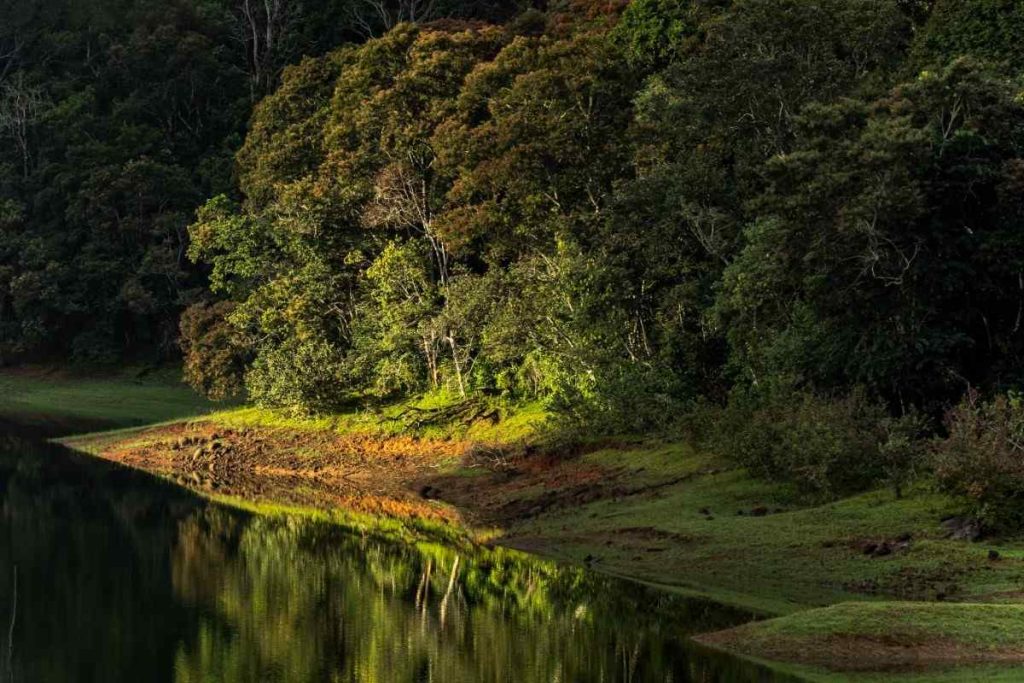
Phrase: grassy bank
(868, 579)
(884, 640)
(61, 401)
(665, 514)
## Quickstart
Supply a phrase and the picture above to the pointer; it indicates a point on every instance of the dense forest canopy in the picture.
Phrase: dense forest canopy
(118, 118)
(616, 208)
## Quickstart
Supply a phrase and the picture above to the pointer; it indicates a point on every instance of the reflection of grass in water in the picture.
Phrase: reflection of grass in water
(384, 527)
(49, 398)
(464, 615)
(779, 563)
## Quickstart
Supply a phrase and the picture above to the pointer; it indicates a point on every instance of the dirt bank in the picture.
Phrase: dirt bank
(294, 468)
(443, 480)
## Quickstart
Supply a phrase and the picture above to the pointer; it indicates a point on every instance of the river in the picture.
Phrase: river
(111, 575)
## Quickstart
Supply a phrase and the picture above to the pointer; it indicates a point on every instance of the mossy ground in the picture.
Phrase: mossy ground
(662, 513)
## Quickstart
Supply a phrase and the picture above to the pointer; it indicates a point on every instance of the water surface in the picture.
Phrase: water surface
(111, 575)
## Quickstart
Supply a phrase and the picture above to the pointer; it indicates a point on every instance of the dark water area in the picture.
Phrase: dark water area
(112, 575)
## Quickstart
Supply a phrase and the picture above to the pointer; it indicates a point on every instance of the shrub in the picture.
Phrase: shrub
(822, 447)
(982, 459)
(214, 357)
(902, 449)
(301, 377)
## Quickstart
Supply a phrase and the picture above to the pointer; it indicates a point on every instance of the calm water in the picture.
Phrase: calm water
(109, 575)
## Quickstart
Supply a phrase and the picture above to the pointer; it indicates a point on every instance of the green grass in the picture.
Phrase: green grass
(974, 630)
(68, 401)
(985, 626)
(390, 528)
(798, 558)
(518, 423)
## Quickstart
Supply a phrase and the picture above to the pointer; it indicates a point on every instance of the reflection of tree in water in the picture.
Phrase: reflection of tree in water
(300, 601)
(91, 546)
(124, 578)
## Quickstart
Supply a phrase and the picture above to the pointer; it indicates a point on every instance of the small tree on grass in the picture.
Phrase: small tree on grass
(982, 459)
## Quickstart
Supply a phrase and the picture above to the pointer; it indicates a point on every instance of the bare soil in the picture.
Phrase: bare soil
(296, 468)
(394, 476)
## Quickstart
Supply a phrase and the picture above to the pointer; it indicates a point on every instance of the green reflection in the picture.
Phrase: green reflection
(122, 578)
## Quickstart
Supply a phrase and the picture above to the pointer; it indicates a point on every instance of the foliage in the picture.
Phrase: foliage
(651, 32)
(989, 29)
(903, 450)
(214, 358)
(903, 206)
(983, 458)
(823, 447)
(363, 233)
(117, 120)
(613, 209)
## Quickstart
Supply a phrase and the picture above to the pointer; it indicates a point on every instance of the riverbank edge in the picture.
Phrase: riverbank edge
(465, 533)
(139, 402)
(458, 534)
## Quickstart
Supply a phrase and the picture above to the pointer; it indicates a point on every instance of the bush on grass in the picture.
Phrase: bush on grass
(982, 459)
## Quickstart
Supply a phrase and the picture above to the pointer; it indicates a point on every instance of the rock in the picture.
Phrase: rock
(882, 550)
(962, 528)
(993, 555)
(198, 453)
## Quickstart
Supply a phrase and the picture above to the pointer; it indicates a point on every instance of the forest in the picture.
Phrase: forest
(792, 229)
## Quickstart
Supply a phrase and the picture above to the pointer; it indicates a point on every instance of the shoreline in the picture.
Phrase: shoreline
(655, 512)
(558, 507)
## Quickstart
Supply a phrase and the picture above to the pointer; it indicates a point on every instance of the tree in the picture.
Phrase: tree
(874, 261)
(20, 108)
